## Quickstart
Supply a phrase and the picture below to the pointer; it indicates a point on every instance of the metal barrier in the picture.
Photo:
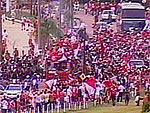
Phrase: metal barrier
(58, 107)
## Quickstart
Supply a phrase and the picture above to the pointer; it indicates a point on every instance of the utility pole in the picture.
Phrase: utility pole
(31, 7)
(60, 14)
(0, 31)
(7, 5)
(83, 36)
(39, 24)
(71, 13)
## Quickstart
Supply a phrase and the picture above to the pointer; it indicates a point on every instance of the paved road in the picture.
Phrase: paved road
(87, 19)
(19, 39)
(16, 37)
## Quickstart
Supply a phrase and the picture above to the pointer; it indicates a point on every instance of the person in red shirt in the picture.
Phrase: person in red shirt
(113, 96)
(61, 96)
(23, 26)
(74, 94)
(16, 53)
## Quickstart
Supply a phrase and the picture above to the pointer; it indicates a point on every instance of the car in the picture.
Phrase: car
(137, 64)
(13, 90)
(101, 26)
(106, 13)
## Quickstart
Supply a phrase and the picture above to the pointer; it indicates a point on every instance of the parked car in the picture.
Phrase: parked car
(107, 13)
(13, 90)
(137, 64)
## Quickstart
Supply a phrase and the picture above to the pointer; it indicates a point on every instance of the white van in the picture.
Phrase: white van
(106, 13)
(13, 90)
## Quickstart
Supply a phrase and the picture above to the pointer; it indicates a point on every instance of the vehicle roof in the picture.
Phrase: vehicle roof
(132, 6)
(101, 22)
(136, 60)
(14, 84)
(128, 3)
(108, 10)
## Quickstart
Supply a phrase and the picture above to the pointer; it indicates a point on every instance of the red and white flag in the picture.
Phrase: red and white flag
(90, 86)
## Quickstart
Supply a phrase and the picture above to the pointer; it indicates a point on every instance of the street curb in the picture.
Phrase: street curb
(15, 20)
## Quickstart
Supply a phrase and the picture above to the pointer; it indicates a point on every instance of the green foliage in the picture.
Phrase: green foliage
(108, 108)
(50, 27)
(20, 14)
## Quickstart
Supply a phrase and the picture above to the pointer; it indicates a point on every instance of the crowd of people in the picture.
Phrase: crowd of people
(106, 55)
(94, 8)
(95, 69)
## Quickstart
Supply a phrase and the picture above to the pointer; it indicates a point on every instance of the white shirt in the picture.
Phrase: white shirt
(147, 84)
(82, 90)
(34, 82)
(98, 90)
(25, 84)
(121, 88)
(102, 86)
(69, 92)
(73, 39)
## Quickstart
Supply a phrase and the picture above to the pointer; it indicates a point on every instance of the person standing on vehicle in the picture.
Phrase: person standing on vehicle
(4, 105)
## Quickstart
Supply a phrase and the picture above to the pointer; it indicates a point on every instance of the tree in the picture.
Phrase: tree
(49, 27)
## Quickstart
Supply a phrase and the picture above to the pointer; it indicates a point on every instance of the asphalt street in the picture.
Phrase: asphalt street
(16, 37)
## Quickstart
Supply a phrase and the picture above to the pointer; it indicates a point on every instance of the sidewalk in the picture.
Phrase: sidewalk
(89, 20)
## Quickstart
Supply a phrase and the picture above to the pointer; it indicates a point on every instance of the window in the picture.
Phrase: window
(131, 13)
(127, 24)
(136, 63)
(14, 88)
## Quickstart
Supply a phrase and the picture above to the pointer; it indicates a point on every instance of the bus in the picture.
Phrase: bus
(132, 16)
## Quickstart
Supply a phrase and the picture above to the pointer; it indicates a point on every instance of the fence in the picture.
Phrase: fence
(59, 107)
